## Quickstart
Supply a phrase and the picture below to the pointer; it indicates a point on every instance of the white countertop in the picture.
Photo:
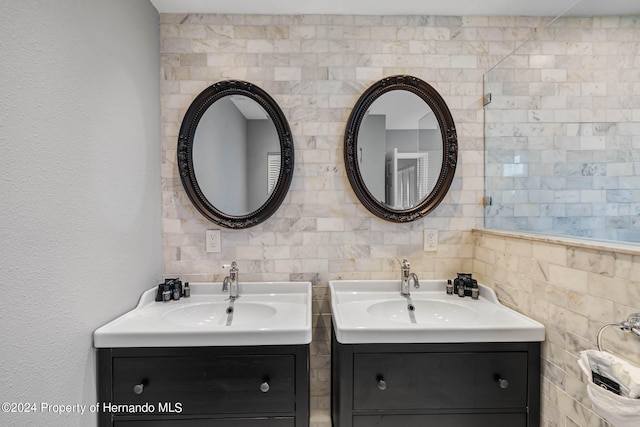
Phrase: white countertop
(266, 313)
(373, 311)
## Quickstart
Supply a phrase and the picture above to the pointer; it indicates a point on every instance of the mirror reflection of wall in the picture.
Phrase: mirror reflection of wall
(230, 154)
(400, 149)
(372, 141)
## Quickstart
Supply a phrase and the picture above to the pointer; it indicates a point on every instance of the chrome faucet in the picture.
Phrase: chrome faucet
(230, 283)
(406, 277)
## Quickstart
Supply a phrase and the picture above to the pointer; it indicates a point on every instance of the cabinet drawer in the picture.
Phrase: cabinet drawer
(237, 422)
(208, 384)
(439, 380)
(449, 420)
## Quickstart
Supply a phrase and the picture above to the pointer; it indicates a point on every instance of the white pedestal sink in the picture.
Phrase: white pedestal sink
(266, 313)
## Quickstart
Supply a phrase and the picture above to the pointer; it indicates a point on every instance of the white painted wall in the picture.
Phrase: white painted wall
(80, 220)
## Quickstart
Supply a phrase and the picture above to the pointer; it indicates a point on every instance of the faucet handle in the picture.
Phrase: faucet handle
(233, 268)
(406, 263)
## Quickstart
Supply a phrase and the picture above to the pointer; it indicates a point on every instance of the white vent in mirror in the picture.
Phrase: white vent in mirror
(273, 170)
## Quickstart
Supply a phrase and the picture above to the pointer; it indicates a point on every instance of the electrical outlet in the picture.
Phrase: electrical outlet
(212, 241)
(431, 240)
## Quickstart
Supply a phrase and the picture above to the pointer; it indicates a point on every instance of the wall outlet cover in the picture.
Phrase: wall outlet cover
(212, 241)
(431, 240)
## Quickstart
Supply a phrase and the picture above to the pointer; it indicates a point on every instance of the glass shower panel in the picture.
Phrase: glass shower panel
(562, 131)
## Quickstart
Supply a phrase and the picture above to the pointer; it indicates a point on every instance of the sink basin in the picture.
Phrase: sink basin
(421, 311)
(373, 311)
(266, 313)
(207, 314)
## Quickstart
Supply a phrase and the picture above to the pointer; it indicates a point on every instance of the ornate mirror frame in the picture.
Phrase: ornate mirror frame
(185, 153)
(449, 146)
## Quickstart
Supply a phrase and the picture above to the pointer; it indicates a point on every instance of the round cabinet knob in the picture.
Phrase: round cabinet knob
(503, 383)
(138, 388)
(382, 384)
(264, 387)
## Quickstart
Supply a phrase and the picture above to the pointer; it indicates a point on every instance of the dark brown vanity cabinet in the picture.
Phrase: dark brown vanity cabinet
(440, 385)
(263, 386)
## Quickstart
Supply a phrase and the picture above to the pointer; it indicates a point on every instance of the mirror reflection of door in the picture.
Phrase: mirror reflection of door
(406, 182)
(400, 149)
(233, 150)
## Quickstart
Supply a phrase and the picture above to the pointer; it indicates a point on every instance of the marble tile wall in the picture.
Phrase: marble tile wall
(563, 132)
(573, 288)
(316, 67)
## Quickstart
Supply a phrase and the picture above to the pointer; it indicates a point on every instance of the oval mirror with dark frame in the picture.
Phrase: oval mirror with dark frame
(400, 148)
(235, 154)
